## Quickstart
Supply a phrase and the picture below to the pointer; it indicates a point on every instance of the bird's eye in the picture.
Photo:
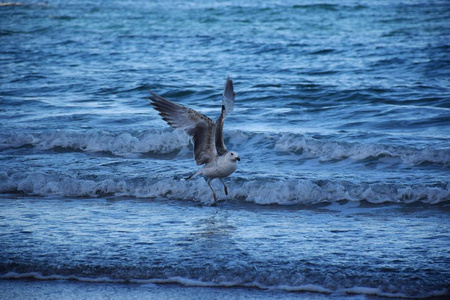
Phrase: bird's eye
(231, 154)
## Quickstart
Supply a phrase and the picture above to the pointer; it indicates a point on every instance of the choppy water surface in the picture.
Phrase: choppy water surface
(341, 119)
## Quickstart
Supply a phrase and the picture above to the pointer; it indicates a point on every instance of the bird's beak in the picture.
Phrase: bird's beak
(238, 158)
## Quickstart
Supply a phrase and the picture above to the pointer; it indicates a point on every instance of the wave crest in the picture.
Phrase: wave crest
(117, 143)
(260, 191)
(332, 150)
(135, 143)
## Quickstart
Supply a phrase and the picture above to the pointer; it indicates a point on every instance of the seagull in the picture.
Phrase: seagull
(209, 148)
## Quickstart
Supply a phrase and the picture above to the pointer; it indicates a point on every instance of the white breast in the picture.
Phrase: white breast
(223, 167)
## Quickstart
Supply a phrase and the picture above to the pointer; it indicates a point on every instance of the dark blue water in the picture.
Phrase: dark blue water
(342, 121)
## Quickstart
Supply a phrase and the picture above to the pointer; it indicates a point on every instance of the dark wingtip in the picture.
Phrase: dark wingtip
(229, 82)
(153, 98)
(228, 90)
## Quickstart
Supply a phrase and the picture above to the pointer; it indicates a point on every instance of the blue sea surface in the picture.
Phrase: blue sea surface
(341, 120)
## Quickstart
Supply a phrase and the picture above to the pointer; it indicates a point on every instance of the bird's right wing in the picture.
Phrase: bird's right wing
(228, 97)
(227, 108)
(200, 127)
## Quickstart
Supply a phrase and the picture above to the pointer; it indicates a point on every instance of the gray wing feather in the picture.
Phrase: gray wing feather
(200, 127)
(227, 108)
(228, 97)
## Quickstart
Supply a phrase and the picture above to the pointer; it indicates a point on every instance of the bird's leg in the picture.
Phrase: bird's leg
(224, 186)
(214, 193)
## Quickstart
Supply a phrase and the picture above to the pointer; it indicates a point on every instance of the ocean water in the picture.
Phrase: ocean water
(341, 120)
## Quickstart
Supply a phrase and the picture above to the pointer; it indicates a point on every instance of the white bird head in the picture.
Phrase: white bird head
(233, 156)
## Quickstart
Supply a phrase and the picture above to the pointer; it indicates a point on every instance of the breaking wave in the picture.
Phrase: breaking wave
(116, 143)
(137, 143)
(260, 188)
(262, 191)
(326, 151)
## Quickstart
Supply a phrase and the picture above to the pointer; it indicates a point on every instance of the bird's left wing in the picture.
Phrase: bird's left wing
(200, 127)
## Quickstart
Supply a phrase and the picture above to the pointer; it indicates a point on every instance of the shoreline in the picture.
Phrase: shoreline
(26, 288)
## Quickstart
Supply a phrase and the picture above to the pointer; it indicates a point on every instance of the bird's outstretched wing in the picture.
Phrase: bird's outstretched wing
(227, 108)
(200, 127)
